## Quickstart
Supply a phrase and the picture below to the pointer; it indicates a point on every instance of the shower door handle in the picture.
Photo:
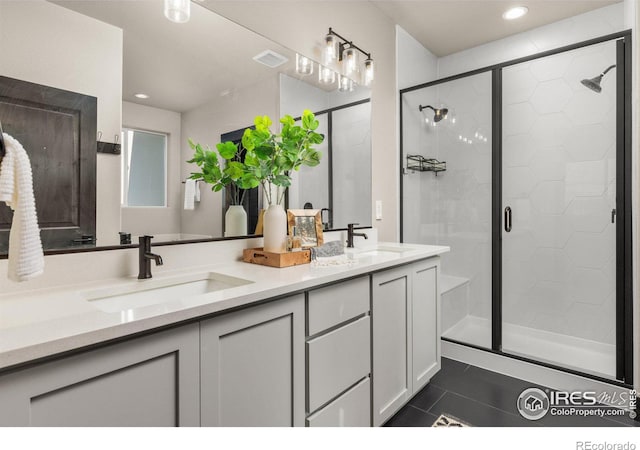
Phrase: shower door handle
(507, 219)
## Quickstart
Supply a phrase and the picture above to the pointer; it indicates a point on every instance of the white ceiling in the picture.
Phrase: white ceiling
(181, 66)
(449, 26)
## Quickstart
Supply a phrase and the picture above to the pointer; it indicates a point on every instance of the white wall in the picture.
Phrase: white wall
(415, 64)
(369, 28)
(163, 220)
(205, 125)
(296, 96)
(49, 35)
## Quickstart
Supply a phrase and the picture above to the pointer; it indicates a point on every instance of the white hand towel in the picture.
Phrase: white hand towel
(26, 259)
(189, 193)
(197, 199)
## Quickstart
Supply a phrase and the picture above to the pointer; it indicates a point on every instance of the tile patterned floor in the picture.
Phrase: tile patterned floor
(483, 399)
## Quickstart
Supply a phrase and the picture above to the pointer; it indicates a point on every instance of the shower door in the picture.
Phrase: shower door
(452, 207)
(559, 188)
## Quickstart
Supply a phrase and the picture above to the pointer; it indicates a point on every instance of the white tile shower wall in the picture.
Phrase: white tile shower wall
(352, 176)
(454, 207)
(599, 22)
(559, 179)
(549, 231)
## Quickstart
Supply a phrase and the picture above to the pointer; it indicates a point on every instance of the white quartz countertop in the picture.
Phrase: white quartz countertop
(41, 323)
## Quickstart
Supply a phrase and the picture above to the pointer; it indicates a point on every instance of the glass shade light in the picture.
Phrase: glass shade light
(304, 66)
(368, 72)
(178, 11)
(345, 84)
(350, 62)
(330, 51)
(326, 75)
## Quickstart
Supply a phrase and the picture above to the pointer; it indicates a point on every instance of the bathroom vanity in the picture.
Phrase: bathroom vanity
(227, 345)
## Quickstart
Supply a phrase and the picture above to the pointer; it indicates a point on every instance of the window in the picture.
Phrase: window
(144, 168)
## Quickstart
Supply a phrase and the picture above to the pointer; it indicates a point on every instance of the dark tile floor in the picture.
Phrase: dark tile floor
(483, 399)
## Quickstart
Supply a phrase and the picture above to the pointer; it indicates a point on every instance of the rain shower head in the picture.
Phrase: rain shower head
(594, 83)
(438, 113)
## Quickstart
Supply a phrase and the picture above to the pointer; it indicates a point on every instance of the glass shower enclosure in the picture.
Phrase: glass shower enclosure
(532, 195)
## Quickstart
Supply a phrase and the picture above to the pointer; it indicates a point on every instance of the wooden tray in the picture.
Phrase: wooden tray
(259, 256)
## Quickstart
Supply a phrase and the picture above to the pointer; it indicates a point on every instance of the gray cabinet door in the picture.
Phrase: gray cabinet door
(252, 366)
(332, 305)
(391, 312)
(425, 323)
(337, 360)
(351, 409)
(148, 381)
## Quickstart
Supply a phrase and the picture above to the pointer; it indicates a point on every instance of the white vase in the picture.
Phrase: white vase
(275, 229)
(235, 221)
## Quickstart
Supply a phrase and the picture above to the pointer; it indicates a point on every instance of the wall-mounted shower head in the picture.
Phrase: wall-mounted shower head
(438, 113)
(594, 83)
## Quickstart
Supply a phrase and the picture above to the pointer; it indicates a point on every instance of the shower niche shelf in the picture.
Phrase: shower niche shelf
(421, 164)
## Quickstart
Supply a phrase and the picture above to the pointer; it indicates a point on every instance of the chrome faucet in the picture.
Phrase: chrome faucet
(351, 234)
(145, 256)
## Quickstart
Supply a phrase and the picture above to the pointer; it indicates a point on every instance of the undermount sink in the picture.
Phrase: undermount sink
(379, 251)
(154, 292)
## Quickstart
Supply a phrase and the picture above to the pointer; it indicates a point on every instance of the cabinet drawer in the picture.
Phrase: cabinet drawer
(351, 409)
(332, 305)
(337, 360)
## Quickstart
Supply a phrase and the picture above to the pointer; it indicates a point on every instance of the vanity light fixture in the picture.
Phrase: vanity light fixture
(345, 84)
(339, 48)
(178, 11)
(350, 62)
(304, 66)
(515, 13)
(326, 75)
(368, 72)
(331, 49)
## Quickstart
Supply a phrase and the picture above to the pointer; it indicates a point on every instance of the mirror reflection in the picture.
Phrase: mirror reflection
(159, 83)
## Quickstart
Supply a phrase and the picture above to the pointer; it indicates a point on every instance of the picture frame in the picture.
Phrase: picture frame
(308, 223)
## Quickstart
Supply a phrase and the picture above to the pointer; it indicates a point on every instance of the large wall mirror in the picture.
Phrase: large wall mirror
(201, 80)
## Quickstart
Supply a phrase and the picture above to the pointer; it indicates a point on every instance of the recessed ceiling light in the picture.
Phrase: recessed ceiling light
(515, 12)
(141, 95)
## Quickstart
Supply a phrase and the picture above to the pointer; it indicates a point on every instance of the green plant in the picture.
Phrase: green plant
(267, 160)
(220, 174)
(271, 157)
